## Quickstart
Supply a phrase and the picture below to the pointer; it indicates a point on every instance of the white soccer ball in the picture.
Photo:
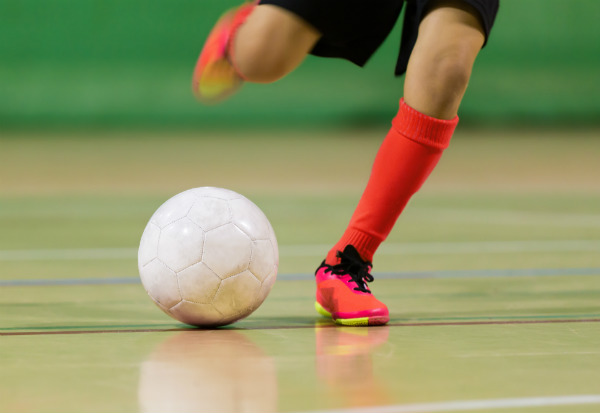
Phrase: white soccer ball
(208, 257)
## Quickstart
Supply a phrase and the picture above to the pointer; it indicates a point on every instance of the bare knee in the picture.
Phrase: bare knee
(436, 85)
(448, 78)
(256, 62)
(440, 65)
(271, 43)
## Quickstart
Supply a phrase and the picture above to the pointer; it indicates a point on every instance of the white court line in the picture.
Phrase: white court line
(417, 248)
(561, 353)
(433, 248)
(68, 254)
(507, 217)
(464, 405)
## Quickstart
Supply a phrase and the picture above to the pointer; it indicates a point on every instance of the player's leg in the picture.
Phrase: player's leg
(271, 43)
(449, 38)
(254, 42)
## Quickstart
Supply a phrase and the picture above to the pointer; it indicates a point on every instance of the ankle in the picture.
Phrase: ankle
(366, 245)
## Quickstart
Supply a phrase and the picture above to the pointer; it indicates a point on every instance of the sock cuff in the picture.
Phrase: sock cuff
(366, 244)
(422, 128)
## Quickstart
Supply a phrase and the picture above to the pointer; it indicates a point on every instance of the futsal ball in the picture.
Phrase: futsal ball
(208, 257)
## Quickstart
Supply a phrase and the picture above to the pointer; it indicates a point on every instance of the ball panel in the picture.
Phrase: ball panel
(196, 314)
(210, 213)
(227, 251)
(267, 285)
(148, 249)
(263, 261)
(181, 244)
(274, 243)
(173, 209)
(161, 283)
(162, 307)
(198, 283)
(250, 219)
(238, 295)
(213, 192)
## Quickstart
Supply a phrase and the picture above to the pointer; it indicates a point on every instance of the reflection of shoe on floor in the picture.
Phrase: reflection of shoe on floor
(345, 364)
(215, 78)
(338, 341)
(343, 294)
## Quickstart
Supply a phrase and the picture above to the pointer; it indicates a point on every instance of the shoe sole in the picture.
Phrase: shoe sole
(355, 322)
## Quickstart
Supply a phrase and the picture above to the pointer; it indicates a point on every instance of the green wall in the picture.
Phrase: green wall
(129, 62)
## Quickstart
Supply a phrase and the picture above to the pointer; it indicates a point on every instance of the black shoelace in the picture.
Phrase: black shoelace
(355, 267)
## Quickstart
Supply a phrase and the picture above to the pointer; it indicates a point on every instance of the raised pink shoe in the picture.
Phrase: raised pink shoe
(215, 77)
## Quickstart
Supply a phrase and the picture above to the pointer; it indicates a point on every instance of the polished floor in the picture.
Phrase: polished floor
(453, 344)
(492, 277)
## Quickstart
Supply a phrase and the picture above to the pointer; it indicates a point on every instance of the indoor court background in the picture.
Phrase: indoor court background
(492, 274)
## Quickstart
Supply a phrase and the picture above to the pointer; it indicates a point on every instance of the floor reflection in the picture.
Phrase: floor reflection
(226, 371)
(210, 371)
(345, 365)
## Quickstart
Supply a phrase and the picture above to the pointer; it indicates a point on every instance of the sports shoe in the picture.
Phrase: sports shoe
(343, 294)
(215, 77)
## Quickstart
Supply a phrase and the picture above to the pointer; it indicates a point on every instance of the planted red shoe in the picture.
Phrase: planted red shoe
(343, 294)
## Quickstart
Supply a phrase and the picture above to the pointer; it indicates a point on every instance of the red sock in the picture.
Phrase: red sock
(404, 161)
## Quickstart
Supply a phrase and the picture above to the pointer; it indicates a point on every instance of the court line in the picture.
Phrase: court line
(496, 322)
(76, 332)
(409, 248)
(478, 247)
(510, 217)
(70, 282)
(542, 354)
(524, 272)
(68, 254)
(294, 327)
(463, 405)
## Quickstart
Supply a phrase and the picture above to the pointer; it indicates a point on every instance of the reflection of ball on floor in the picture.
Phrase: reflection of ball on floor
(208, 257)
(208, 371)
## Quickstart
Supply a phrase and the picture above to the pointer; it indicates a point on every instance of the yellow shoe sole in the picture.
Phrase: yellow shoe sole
(355, 322)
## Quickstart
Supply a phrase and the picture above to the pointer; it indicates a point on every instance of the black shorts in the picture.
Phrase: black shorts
(354, 29)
